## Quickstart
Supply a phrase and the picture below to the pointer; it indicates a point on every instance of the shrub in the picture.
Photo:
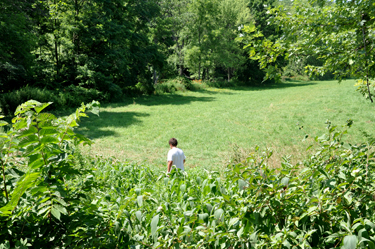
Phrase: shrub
(169, 87)
(41, 192)
(221, 83)
(71, 96)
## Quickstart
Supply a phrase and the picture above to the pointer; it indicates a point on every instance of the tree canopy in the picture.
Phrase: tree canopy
(339, 33)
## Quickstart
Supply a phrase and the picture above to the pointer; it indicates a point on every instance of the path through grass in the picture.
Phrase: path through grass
(209, 124)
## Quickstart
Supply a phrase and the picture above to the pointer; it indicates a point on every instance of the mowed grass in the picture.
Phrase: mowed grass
(209, 124)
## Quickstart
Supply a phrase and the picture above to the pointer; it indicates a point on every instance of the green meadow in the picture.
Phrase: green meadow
(214, 125)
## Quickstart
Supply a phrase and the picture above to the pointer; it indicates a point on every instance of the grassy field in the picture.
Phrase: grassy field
(211, 123)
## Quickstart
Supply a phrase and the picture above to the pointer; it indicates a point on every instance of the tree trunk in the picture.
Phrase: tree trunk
(228, 74)
(181, 70)
(155, 76)
(56, 52)
(199, 69)
(364, 44)
(200, 56)
(180, 58)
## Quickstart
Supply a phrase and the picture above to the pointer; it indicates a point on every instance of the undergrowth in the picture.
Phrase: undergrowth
(67, 97)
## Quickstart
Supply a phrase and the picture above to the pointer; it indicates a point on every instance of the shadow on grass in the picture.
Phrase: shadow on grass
(165, 99)
(283, 85)
(95, 127)
(260, 87)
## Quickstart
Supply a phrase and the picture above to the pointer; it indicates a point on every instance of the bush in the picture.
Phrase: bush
(221, 83)
(170, 86)
(74, 96)
(296, 69)
(42, 184)
(71, 96)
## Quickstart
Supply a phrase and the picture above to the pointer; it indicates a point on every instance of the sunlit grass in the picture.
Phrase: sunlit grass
(210, 123)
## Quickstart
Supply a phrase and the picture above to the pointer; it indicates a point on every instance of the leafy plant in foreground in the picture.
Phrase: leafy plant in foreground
(325, 202)
(53, 197)
(37, 162)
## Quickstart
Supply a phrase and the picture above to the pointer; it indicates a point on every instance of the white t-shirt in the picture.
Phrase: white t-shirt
(177, 156)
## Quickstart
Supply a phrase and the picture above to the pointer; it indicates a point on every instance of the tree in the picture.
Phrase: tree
(204, 14)
(340, 33)
(232, 16)
(16, 44)
(98, 44)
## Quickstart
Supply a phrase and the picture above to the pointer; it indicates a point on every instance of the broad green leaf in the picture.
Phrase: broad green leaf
(182, 187)
(44, 119)
(26, 106)
(30, 131)
(37, 163)
(286, 244)
(61, 209)
(242, 184)
(138, 214)
(49, 140)
(154, 224)
(218, 214)
(43, 210)
(203, 217)
(38, 190)
(209, 208)
(32, 139)
(82, 139)
(55, 212)
(39, 108)
(348, 197)
(187, 230)
(22, 185)
(48, 131)
(240, 232)
(94, 107)
(233, 221)
(350, 242)
(369, 223)
(285, 181)
(140, 200)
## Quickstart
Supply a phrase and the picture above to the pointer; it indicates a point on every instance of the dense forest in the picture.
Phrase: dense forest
(120, 45)
(75, 51)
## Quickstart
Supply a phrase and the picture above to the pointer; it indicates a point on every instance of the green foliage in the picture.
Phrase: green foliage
(181, 84)
(40, 191)
(205, 33)
(326, 202)
(103, 45)
(54, 197)
(169, 87)
(363, 88)
(318, 29)
(15, 59)
(71, 96)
